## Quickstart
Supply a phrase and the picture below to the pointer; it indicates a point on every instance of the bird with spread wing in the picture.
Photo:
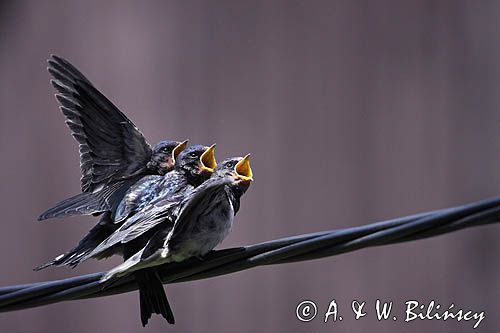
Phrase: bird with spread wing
(114, 155)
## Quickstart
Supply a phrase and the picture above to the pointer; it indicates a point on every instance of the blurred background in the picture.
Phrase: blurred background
(354, 112)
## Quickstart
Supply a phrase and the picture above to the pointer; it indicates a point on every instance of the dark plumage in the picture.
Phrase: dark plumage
(190, 225)
(113, 152)
(150, 214)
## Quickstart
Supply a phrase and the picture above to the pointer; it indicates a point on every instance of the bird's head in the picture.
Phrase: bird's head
(165, 154)
(238, 168)
(197, 163)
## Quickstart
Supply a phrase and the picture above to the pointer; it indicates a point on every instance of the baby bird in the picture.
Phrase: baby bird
(205, 219)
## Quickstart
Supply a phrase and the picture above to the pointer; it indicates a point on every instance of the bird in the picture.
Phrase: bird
(114, 155)
(113, 152)
(193, 225)
(194, 165)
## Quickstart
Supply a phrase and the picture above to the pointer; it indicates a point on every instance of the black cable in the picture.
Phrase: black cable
(285, 250)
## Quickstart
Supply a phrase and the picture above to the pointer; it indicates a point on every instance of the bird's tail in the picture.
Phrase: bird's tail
(95, 236)
(152, 296)
(81, 204)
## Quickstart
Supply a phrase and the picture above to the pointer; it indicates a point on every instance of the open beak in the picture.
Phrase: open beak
(178, 149)
(243, 169)
(207, 159)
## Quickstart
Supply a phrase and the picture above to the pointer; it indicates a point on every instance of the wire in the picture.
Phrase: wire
(280, 251)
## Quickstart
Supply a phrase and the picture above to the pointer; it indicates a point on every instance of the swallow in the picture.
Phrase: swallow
(113, 152)
(198, 222)
(194, 166)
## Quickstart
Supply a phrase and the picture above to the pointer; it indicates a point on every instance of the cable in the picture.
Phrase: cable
(280, 251)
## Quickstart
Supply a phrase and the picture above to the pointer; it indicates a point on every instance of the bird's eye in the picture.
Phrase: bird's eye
(193, 154)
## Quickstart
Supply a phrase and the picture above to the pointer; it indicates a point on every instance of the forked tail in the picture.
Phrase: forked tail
(152, 296)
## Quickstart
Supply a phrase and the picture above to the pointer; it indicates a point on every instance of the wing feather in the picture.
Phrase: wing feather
(142, 223)
(196, 204)
(110, 145)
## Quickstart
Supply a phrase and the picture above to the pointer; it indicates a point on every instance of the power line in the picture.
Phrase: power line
(280, 251)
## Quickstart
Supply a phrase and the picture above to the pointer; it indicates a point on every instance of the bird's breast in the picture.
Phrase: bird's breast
(209, 230)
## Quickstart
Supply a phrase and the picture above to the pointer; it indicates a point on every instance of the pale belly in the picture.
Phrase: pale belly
(206, 233)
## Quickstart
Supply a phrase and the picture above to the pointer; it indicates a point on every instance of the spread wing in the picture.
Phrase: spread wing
(111, 146)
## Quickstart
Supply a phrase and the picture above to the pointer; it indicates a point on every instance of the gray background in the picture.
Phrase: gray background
(354, 112)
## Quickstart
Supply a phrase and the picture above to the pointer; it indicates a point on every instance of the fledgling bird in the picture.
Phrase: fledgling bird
(194, 166)
(201, 220)
(113, 153)
(113, 156)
